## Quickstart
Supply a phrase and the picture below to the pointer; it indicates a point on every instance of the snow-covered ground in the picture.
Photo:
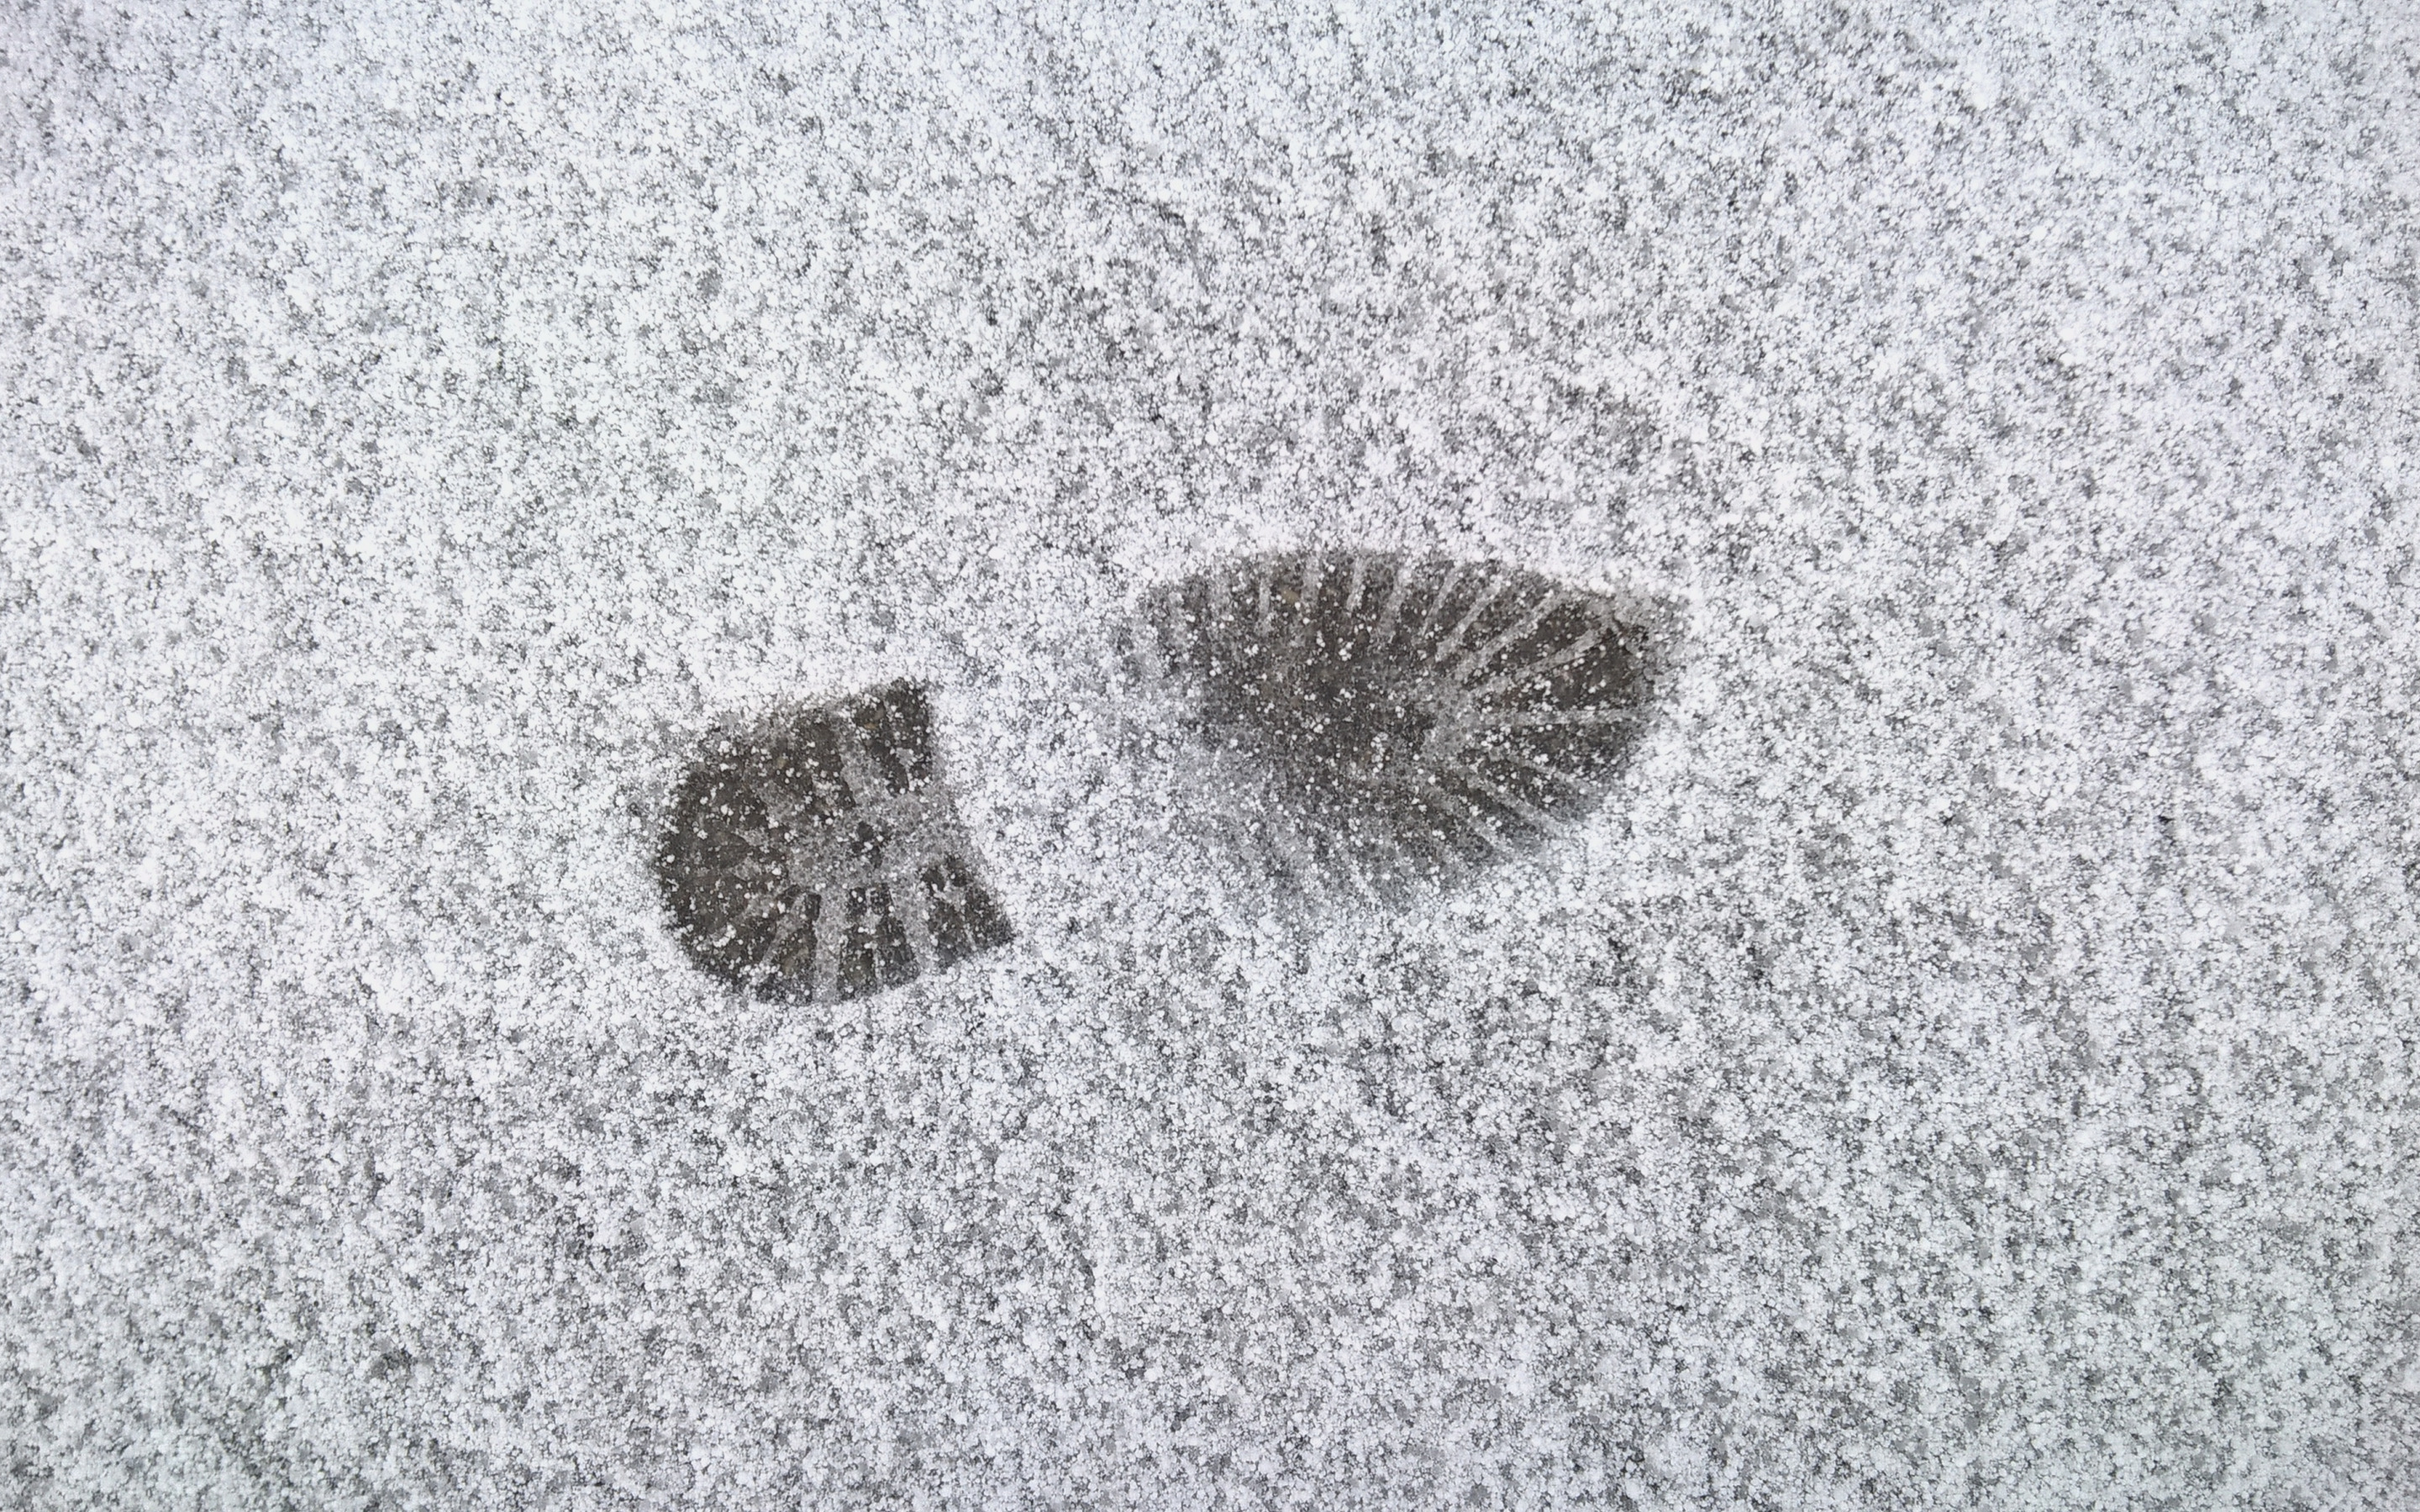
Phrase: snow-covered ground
(1968, 1063)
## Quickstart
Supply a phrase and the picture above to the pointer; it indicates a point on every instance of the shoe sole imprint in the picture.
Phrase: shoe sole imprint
(1392, 719)
(820, 856)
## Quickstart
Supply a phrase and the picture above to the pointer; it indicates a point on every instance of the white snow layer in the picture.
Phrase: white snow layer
(1968, 1063)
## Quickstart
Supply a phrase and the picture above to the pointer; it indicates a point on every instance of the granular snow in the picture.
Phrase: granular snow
(1965, 1061)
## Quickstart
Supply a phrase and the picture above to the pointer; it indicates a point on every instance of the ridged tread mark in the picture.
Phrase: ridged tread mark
(1413, 717)
(820, 856)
